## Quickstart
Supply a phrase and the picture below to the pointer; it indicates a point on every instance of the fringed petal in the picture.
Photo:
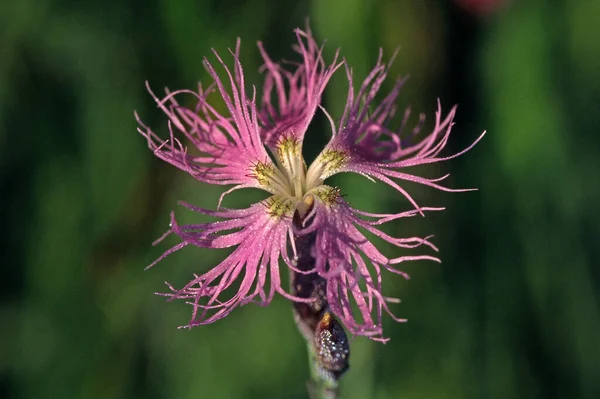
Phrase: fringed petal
(351, 264)
(290, 98)
(363, 144)
(225, 149)
(258, 239)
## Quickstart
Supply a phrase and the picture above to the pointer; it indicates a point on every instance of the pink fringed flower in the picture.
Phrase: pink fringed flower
(304, 224)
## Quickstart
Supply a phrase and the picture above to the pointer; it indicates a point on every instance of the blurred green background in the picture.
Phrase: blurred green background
(513, 310)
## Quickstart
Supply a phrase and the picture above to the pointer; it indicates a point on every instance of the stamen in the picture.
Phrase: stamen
(329, 162)
(279, 207)
(270, 177)
(327, 194)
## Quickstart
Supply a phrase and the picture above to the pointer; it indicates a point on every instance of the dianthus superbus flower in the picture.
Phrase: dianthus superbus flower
(304, 224)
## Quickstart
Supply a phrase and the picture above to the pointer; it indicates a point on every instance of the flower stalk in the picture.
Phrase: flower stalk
(327, 343)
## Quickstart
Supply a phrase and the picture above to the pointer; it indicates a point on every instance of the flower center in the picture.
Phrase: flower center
(294, 187)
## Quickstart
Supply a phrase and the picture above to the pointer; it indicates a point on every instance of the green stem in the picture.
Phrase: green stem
(320, 386)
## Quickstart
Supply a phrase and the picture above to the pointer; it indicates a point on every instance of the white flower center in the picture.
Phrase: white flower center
(293, 185)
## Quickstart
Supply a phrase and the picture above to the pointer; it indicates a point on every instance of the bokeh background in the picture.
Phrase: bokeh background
(513, 310)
